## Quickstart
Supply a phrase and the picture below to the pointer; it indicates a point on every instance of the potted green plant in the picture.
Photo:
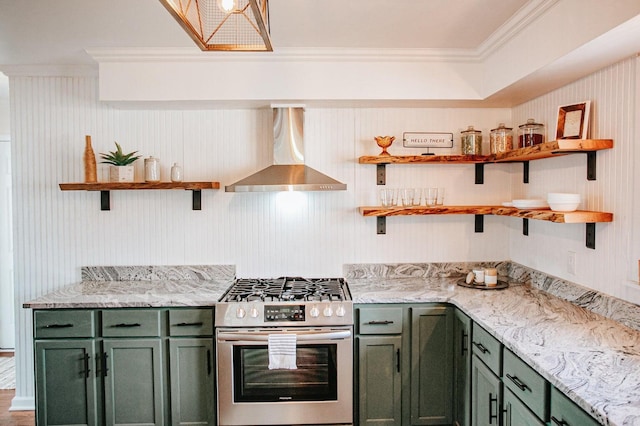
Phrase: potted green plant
(121, 165)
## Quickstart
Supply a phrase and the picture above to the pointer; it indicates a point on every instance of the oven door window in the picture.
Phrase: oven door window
(315, 379)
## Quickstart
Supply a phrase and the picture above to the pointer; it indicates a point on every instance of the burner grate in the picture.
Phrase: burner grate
(287, 289)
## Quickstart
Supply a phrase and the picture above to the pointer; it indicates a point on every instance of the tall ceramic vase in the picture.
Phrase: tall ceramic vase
(90, 174)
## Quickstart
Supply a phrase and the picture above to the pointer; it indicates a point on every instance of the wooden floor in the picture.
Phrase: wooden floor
(13, 418)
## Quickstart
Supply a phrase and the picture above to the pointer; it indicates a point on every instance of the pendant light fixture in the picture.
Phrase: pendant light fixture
(228, 25)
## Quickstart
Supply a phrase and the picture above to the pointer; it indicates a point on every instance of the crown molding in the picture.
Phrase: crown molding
(69, 70)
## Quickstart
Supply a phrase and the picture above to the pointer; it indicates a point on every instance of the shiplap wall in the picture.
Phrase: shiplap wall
(263, 234)
(612, 266)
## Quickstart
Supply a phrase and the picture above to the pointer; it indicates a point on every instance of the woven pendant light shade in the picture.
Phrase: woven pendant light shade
(226, 25)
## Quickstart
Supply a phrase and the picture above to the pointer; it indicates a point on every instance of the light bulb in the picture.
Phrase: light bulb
(227, 6)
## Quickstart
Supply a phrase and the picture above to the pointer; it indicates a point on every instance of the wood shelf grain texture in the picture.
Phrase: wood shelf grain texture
(543, 150)
(115, 186)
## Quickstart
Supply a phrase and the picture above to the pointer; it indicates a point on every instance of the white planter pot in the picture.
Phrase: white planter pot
(121, 173)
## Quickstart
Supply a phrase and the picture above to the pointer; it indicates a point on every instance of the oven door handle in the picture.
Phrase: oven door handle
(300, 336)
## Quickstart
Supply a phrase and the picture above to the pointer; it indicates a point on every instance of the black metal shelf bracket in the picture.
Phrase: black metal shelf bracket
(479, 222)
(196, 199)
(105, 201)
(525, 226)
(381, 174)
(525, 172)
(479, 173)
(381, 224)
(591, 235)
(591, 165)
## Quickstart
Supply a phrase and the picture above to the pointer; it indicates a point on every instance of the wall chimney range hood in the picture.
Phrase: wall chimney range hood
(288, 172)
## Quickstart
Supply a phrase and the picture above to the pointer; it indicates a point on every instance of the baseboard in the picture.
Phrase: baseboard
(23, 404)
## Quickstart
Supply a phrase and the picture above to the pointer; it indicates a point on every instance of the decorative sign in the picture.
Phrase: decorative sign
(427, 140)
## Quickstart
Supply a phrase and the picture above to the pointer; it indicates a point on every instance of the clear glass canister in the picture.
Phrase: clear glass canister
(471, 141)
(501, 139)
(151, 169)
(530, 134)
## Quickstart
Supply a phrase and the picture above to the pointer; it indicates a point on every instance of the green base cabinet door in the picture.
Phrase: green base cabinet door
(515, 413)
(486, 395)
(133, 382)
(462, 369)
(380, 383)
(432, 365)
(565, 412)
(192, 381)
(66, 384)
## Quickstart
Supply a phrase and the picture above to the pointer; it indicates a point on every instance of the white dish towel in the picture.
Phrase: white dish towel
(282, 352)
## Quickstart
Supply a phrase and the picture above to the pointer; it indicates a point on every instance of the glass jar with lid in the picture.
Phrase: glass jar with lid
(471, 141)
(530, 134)
(501, 139)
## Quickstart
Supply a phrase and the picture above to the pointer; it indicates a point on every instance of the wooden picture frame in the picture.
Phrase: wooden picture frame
(573, 121)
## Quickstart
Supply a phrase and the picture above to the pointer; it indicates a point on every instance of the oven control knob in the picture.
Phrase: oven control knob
(327, 311)
(241, 313)
(340, 311)
(254, 312)
(314, 312)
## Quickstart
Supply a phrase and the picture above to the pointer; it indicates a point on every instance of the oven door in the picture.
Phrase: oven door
(319, 391)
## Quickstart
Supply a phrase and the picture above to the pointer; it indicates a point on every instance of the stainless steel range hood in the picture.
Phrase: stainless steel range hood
(288, 172)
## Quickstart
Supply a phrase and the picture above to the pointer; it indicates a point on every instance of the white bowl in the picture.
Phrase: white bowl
(563, 206)
(530, 203)
(562, 197)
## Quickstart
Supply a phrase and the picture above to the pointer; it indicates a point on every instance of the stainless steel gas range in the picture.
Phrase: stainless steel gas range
(285, 352)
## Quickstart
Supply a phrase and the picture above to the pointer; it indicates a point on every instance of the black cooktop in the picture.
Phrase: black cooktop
(284, 289)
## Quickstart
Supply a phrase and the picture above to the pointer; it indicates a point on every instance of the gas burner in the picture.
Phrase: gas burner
(287, 289)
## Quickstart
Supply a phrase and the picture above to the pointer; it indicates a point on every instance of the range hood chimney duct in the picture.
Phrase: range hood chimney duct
(288, 172)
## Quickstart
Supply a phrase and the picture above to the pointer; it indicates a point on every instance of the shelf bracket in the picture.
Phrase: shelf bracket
(525, 226)
(479, 173)
(105, 200)
(525, 172)
(381, 174)
(381, 225)
(591, 165)
(591, 235)
(196, 199)
(479, 219)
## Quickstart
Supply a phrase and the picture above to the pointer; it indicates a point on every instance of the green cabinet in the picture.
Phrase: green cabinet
(516, 413)
(461, 369)
(380, 391)
(431, 365)
(404, 370)
(486, 394)
(565, 412)
(67, 384)
(191, 367)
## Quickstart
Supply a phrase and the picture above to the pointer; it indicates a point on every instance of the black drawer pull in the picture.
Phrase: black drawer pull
(126, 325)
(58, 326)
(105, 369)
(518, 383)
(189, 324)
(559, 422)
(385, 322)
(398, 360)
(464, 342)
(481, 348)
(491, 415)
(87, 370)
(208, 362)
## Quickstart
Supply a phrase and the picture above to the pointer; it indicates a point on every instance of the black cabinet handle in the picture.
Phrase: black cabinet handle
(481, 348)
(464, 342)
(491, 415)
(126, 325)
(398, 360)
(87, 370)
(189, 324)
(559, 422)
(385, 322)
(105, 369)
(518, 383)
(58, 326)
(208, 362)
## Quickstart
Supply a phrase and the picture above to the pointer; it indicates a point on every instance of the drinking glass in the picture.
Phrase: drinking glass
(417, 196)
(440, 197)
(388, 197)
(407, 195)
(431, 196)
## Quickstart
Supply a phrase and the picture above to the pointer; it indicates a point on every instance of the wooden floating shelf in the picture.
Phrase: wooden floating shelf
(590, 218)
(522, 155)
(106, 187)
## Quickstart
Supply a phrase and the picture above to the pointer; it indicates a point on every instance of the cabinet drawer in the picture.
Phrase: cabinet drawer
(63, 324)
(487, 348)
(515, 413)
(191, 322)
(565, 412)
(380, 320)
(131, 323)
(530, 387)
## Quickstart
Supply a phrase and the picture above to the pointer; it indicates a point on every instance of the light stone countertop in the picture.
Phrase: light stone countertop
(592, 359)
